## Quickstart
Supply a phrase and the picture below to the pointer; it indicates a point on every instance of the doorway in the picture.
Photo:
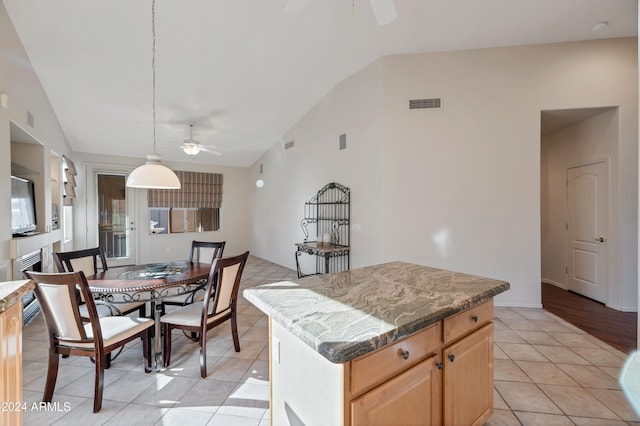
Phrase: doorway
(578, 156)
(110, 215)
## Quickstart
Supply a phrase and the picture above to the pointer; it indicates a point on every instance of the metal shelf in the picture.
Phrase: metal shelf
(330, 211)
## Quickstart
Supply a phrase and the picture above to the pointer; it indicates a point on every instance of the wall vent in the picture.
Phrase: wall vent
(430, 103)
(343, 141)
(288, 145)
(30, 120)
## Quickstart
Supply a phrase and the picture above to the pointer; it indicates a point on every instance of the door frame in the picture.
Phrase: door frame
(611, 235)
(91, 210)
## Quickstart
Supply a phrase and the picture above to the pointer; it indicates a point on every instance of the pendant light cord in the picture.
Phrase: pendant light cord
(153, 68)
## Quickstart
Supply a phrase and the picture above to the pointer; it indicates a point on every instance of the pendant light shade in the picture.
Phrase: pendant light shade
(153, 175)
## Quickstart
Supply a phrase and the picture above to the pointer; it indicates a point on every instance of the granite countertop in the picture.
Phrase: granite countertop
(348, 314)
(11, 292)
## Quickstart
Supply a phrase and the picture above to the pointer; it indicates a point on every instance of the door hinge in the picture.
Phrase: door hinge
(566, 269)
(566, 226)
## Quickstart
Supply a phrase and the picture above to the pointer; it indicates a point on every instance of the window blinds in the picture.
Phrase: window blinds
(199, 190)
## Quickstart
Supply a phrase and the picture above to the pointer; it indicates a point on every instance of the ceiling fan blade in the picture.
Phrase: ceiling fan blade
(293, 7)
(385, 11)
(209, 151)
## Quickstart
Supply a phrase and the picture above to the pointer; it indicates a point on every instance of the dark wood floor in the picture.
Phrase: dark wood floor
(614, 327)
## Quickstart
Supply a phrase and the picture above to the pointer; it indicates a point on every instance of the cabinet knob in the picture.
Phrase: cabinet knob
(452, 357)
(439, 365)
(474, 318)
(405, 354)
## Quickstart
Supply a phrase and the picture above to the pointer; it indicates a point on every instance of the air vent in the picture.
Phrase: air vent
(343, 141)
(431, 103)
(288, 145)
(30, 119)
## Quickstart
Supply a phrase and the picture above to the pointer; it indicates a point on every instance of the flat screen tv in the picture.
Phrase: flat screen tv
(23, 207)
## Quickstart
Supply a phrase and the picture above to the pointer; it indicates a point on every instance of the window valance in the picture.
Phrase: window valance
(203, 190)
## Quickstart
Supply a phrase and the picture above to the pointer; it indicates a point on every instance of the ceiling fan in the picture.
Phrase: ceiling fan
(385, 10)
(193, 147)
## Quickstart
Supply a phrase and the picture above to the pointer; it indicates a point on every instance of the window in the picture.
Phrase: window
(193, 208)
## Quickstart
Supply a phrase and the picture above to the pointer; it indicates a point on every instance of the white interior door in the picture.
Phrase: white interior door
(588, 229)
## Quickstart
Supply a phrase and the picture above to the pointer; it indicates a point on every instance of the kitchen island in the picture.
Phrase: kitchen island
(395, 343)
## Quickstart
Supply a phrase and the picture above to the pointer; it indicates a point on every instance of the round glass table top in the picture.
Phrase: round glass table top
(153, 271)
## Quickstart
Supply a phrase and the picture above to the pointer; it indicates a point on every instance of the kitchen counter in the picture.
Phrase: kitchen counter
(345, 315)
(11, 292)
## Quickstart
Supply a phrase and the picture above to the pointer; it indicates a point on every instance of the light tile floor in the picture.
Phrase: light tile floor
(547, 372)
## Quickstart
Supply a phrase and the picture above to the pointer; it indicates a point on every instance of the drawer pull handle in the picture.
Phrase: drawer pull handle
(451, 357)
(405, 354)
(439, 365)
(474, 318)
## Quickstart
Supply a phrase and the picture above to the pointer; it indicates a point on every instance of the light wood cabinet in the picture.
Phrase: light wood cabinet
(468, 379)
(408, 399)
(11, 365)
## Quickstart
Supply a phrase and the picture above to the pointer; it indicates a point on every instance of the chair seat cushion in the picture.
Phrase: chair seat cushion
(114, 329)
(189, 315)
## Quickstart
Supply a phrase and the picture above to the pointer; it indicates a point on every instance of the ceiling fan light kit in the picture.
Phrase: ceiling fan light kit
(190, 148)
(153, 174)
(193, 147)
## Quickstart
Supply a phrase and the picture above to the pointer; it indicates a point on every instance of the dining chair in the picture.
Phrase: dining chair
(219, 305)
(86, 260)
(72, 334)
(201, 252)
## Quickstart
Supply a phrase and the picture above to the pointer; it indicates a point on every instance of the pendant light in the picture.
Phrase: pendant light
(153, 174)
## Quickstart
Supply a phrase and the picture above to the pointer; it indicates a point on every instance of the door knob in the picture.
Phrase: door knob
(600, 240)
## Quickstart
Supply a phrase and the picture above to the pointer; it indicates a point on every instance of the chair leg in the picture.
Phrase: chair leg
(52, 375)
(166, 331)
(143, 310)
(146, 350)
(99, 383)
(107, 362)
(203, 354)
(234, 331)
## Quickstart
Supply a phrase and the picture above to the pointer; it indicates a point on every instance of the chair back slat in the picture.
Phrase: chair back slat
(223, 283)
(86, 260)
(226, 281)
(206, 251)
(59, 299)
(84, 264)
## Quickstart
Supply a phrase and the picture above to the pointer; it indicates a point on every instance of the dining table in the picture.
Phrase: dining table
(149, 283)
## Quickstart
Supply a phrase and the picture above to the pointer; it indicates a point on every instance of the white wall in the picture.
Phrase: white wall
(20, 83)
(593, 139)
(294, 175)
(460, 186)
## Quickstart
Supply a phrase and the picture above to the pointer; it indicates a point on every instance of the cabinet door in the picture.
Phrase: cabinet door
(411, 398)
(11, 364)
(468, 379)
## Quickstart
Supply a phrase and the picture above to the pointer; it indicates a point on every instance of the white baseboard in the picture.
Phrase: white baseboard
(555, 283)
(518, 305)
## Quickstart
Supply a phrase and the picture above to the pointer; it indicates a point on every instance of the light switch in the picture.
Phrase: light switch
(275, 350)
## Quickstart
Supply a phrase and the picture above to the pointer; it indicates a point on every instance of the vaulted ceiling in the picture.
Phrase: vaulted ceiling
(243, 72)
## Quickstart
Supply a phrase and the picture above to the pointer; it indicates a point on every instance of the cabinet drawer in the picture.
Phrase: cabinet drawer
(388, 361)
(463, 322)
